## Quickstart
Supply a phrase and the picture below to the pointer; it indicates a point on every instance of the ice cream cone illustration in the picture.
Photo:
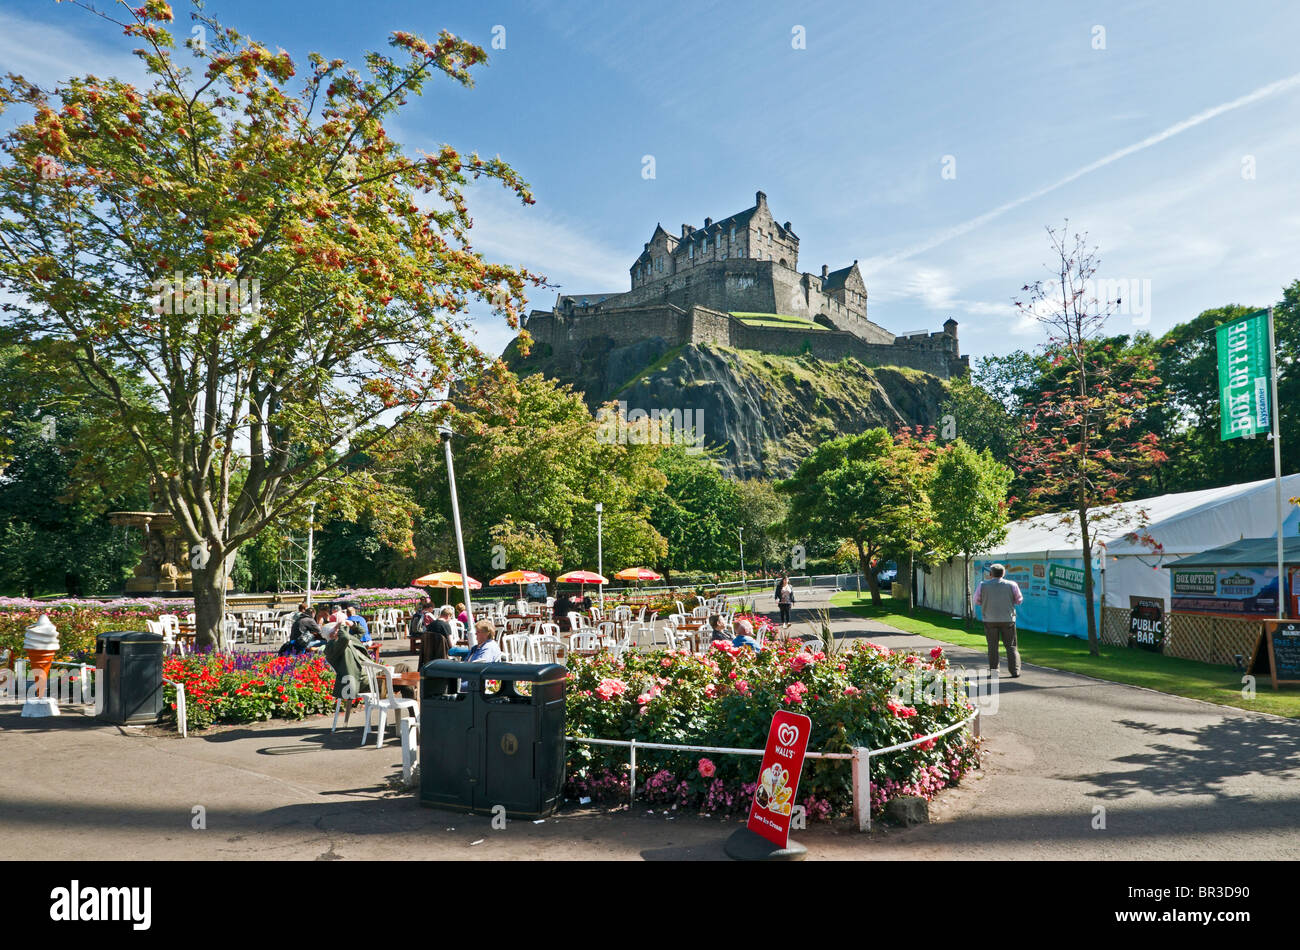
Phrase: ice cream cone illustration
(41, 641)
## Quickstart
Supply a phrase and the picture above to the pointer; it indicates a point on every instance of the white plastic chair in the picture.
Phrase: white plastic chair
(164, 627)
(549, 649)
(577, 622)
(514, 646)
(586, 640)
(608, 631)
(390, 702)
(408, 728)
(230, 631)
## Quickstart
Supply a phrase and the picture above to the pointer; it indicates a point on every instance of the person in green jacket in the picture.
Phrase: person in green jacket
(345, 653)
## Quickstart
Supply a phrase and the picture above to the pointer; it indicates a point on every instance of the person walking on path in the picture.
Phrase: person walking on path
(784, 598)
(998, 598)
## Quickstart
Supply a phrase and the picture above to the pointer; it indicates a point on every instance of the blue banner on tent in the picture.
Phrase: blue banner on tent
(1053, 592)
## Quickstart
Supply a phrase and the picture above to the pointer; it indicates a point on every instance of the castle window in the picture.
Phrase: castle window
(690, 251)
(733, 232)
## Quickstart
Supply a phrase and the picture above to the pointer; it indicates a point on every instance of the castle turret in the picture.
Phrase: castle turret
(950, 327)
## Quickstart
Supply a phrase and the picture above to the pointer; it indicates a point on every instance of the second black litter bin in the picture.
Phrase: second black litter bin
(479, 750)
(130, 676)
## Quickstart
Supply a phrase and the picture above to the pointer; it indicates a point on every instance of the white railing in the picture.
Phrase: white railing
(860, 757)
(182, 722)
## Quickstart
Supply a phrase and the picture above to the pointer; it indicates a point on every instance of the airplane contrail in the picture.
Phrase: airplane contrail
(1263, 92)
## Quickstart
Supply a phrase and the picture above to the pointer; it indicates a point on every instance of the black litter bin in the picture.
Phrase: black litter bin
(130, 664)
(479, 750)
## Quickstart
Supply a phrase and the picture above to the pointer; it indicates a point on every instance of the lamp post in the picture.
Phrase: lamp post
(311, 539)
(600, 553)
(744, 587)
(445, 432)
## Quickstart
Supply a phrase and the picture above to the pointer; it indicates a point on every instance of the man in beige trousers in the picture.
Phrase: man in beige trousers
(998, 598)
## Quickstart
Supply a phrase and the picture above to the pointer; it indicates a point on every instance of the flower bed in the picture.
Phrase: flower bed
(248, 687)
(79, 621)
(727, 697)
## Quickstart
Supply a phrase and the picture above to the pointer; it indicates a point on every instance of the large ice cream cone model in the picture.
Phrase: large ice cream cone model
(41, 641)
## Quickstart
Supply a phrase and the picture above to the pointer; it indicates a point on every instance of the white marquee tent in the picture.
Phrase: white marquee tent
(1044, 555)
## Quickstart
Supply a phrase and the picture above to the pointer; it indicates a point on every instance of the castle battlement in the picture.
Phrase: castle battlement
(685, 289)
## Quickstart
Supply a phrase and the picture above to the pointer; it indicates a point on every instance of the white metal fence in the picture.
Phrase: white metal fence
(860, 757)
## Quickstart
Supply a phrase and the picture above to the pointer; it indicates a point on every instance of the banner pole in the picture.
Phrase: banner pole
(1277, 467)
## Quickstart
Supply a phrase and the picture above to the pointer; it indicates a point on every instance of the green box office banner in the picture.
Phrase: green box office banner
(1244, 403)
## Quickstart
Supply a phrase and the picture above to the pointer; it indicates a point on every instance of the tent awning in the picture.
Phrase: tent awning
(1248, 552)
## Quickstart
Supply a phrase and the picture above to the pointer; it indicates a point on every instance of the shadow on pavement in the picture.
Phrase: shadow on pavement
(1226, 750)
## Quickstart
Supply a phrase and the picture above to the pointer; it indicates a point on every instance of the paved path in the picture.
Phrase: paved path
(1177, 779)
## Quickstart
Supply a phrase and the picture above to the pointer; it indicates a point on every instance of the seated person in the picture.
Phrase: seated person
(345, 654)
(744, 632)
(415, 626)
(715, 628)
(303, 635)
(486, 650)
(561, 610)
(359, 625)
(462, 615)
(456, 649)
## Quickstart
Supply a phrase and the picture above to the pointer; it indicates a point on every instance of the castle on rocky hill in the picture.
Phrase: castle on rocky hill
(736, 282)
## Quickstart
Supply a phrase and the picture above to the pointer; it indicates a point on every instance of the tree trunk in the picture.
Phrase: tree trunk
(864, 566)
(909, 580)
(210, 602)
(968, 608)
(1094, 647)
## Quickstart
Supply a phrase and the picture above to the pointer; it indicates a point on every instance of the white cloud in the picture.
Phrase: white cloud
(47, 54)
(965, 227)
(542, 240)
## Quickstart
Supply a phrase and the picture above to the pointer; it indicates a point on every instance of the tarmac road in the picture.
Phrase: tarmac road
(1177, 779)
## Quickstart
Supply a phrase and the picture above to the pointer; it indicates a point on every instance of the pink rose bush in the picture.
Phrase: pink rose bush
(726, 697)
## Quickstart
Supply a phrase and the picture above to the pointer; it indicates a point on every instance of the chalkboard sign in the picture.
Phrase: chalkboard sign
(1283, 638)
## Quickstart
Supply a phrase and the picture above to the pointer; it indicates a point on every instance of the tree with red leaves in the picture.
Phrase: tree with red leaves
(1080, 444)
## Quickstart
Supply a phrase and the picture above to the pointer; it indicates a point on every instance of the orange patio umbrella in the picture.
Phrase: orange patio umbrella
(447, 580)
(638, 574)
(581, 577)
(519, 577)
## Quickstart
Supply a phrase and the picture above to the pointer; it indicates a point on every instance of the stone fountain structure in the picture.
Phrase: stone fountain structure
(164, 567)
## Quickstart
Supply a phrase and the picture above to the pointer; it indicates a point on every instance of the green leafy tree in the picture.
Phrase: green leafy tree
(968, 495)
(64, 469)
(1084, 447)
(761, 512)
(698, 513)
(290, 284)
(530, 467)
(1187, 363)
(846, 489)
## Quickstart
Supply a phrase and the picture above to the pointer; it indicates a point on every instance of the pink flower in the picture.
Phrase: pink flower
(665, 662)
(609, 688)
(794, 693)
(710, 691)
(707, 768)
(851, 691)
(742, 687)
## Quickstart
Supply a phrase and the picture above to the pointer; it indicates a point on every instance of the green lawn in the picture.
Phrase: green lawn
(782, 320)
(1168, 674)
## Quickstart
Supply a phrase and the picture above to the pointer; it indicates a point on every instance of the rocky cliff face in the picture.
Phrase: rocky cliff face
(764, 412)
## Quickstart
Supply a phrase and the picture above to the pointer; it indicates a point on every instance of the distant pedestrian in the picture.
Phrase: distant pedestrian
(998, 598)
(784, 598)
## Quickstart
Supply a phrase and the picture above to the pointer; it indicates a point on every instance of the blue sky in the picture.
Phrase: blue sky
(1141, 143)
